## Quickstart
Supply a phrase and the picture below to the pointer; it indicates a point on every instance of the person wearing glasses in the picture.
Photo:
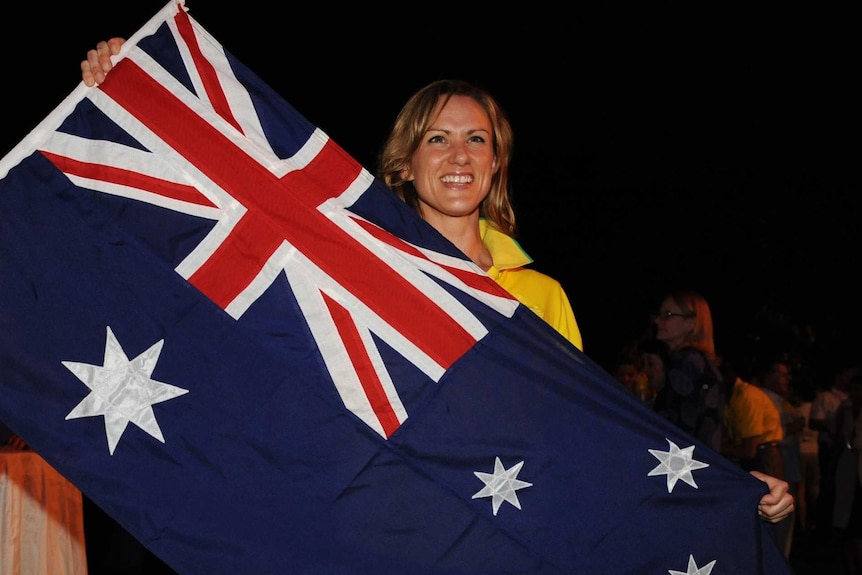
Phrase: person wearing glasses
(693, 396)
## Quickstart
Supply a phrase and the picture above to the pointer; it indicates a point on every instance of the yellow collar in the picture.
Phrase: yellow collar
(505, 250)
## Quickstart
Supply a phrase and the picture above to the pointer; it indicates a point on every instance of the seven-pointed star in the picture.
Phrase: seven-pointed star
(693, 568)
(501, 485)
(122, 390)
(676, 464)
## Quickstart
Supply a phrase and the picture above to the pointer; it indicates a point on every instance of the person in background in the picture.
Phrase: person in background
(447, 156)
(752, 432)
(654, 361)
(627, 368)
(774, 377)
(809, 485)
(847, 509)
(752, 426)
(822, 419)
(692, 396)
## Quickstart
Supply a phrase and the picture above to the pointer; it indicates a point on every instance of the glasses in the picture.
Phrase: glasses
(666, 315)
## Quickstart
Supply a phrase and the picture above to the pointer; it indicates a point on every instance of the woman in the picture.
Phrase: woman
(448, 157)
(692, 396)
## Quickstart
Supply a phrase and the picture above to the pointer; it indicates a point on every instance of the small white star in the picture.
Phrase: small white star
(676, 464)
(501, 485)
(122, 390)
(693, 569)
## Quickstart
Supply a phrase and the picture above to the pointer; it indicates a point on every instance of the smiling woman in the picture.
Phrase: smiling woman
(451, 173)
(448, 157)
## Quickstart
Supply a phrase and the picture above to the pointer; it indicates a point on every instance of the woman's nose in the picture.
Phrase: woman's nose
(459, 154)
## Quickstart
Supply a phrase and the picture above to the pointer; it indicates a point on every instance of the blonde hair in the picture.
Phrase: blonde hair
(701, 336)
(413, 122)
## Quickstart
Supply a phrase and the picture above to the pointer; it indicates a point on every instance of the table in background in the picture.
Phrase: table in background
(41, 518)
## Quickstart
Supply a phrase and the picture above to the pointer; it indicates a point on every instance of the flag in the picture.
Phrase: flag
(257, 359)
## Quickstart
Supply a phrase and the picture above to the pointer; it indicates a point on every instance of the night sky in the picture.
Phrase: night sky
(711, 150)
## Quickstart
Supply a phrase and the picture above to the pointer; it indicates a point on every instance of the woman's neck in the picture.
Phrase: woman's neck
(464, 234)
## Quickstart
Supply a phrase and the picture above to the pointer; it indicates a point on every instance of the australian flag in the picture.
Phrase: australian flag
(251, 354)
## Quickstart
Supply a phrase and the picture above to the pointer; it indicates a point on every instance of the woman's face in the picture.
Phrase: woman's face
(672, 323)
(453, 166)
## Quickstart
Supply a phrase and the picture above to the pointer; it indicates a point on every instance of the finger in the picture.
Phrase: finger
(114, 44)
(104, 52)
(87, 74)
(771, 513)
(97, 64)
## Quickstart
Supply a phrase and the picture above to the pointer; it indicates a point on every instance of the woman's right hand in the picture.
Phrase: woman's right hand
(98, 62)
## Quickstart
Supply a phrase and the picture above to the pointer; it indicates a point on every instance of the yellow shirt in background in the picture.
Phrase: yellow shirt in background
(750, 413)
(539, 292)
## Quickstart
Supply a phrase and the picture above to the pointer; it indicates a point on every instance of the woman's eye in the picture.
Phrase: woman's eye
(435, 140)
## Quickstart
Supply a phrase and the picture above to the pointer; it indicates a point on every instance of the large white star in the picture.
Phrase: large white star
(122, 390)
(501, 485)
(676, 464)
(693, 568)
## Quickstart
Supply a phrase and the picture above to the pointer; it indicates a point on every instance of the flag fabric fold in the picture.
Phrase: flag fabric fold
(257, 359)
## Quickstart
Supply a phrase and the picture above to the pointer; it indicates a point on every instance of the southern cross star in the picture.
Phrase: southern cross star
(693, 568)
(122, 390)
(676, 464)
(501, 485)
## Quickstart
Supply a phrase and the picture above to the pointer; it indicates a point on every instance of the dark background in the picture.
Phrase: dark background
(655, 147)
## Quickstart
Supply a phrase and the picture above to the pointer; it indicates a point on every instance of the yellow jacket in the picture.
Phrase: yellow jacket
(539, 292)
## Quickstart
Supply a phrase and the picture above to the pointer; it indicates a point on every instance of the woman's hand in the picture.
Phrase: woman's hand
(98, 62)
(778, 503)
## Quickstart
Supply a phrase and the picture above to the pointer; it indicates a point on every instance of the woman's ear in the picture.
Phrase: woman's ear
(406, 174)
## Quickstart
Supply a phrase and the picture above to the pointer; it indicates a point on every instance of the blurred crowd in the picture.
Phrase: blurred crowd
(764, 410)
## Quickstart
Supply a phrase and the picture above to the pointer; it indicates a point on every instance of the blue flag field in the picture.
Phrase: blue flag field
(256, 358)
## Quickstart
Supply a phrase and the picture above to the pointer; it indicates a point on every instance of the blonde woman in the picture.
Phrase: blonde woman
(692, 397)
